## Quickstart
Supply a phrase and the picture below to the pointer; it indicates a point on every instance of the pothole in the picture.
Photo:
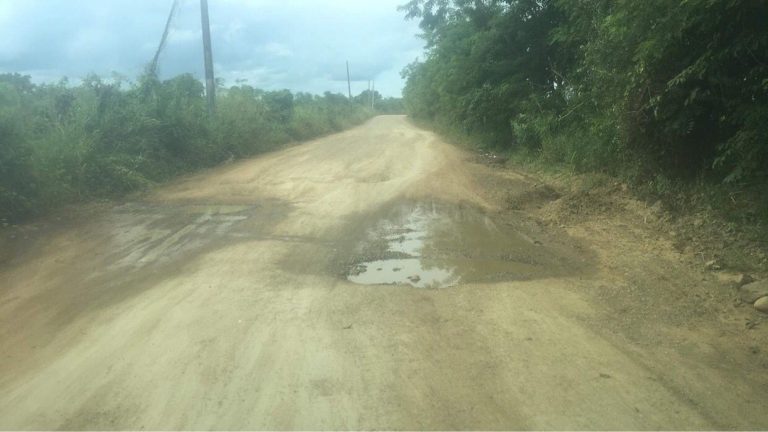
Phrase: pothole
(405, 241)
(433, 245)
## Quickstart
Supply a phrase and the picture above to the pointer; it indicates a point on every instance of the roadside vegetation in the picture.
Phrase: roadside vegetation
(61, 143)
(381, 104)
(669, 97)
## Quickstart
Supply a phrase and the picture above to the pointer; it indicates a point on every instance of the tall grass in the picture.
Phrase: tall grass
(104, 138)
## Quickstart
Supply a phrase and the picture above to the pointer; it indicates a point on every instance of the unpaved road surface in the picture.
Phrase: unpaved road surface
(226, 300)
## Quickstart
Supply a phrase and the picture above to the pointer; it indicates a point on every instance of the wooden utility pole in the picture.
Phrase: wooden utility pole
(210, 81)
(349, 82)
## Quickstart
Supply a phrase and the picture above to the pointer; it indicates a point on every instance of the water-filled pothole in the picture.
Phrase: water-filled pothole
(405, 241)
(433, 245)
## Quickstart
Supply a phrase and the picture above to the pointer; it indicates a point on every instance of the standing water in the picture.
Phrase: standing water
(439, 245)
(405, 240)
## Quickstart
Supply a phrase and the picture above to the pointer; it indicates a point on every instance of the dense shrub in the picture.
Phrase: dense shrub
(104, 138)
(676, 89)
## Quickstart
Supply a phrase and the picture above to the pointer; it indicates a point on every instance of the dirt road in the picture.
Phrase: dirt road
(372, 279)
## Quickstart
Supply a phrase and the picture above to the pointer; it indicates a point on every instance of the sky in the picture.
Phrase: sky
(301, 45)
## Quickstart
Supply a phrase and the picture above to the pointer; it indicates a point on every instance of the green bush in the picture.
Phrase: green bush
(642, 89)
(105, 138)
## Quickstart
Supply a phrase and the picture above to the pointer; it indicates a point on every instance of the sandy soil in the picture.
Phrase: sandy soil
(221, 301)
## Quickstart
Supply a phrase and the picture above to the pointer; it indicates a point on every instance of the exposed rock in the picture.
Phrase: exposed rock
(762, 304)
(749, 293)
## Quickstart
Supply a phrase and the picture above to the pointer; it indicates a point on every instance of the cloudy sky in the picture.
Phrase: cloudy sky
(301, 45)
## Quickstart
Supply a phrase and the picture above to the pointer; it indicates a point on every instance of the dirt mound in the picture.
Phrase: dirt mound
(656, 267)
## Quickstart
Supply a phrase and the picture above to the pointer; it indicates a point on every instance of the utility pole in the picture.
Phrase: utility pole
(373, 94)
(349, 82)
(210, 81)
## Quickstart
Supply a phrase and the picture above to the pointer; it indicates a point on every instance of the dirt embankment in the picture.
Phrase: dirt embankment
(228, 300)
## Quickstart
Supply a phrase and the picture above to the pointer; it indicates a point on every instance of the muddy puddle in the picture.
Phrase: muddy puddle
(404, 239)
(434, 245)
(145, 234)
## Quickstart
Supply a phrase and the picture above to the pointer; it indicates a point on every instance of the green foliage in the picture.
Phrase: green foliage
(17, 193)
(104, 138)
(390, 105)
(279, 105)
(382, 105)
(649, 90)
(321, 115)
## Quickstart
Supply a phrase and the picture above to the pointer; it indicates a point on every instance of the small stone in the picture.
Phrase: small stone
(762, 304)
(711, 265)
(749, 293)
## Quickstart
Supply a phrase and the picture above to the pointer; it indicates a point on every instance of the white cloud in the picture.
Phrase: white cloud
(12, 43)
(7, 10)
(233, 31)
(297, 44)
(178, 36)
(88, 41)
(277, 49)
